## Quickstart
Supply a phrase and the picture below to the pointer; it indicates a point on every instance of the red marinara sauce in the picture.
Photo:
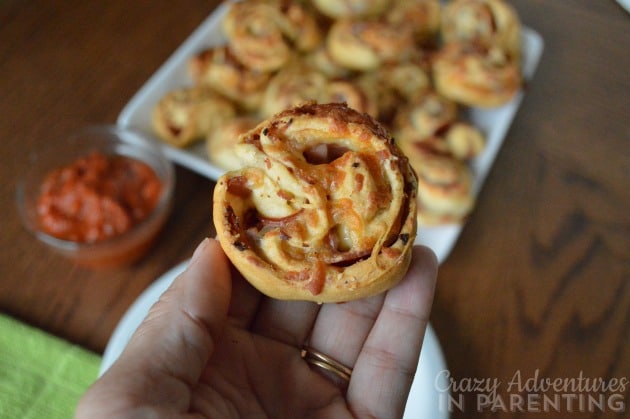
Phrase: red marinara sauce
(97, 197)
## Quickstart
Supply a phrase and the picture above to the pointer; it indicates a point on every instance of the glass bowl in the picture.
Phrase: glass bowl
(118, 250)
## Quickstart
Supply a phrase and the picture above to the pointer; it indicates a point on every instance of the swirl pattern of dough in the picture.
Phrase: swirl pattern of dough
(298, 83)
(186, 115)
(424, 117)
(393, 85)
(491, 23)
(476, 76)
(364, 45)
(219, 69)
(350, 93)
(320, 60)
(264, 34)
(445, 194)
(422, 16)
(221, 142)
(324, 209)
(464, 141)
(292, 85)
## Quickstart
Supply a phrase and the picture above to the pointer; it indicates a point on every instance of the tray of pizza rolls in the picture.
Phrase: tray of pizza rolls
(446, 80)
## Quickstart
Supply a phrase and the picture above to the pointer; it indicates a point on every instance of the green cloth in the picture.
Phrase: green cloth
(41, 376)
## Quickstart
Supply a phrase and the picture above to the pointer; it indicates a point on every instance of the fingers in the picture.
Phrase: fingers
(168, 352)
(385, 368)
(245, 301)
(287, 321)
(341, 329)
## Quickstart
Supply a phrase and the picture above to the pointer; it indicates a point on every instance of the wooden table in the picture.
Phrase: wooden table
(539, 279)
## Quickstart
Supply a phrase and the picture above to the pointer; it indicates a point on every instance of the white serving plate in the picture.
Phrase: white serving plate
(625, 4)
(173, 74)
(427, 391)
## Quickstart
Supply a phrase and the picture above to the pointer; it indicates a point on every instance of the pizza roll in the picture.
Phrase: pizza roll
(218, 68)
(291, 86)
(320, 60)
(324, 208)
(387, 100)
(264, 34)
(186, 115)
(422, 16)
(298, 83)
(304, 31)
(476, 76)
(365, 45)
(392, 85)
(424, 117)
(350, 93)
(464, 141)
(409, 80)
(490, 23)
(221, 142)
(445, 194)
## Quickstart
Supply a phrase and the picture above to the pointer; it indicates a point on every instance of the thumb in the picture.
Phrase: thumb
(170, 349)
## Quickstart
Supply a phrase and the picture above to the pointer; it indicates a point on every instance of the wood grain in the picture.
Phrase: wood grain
(65, 65)
(540, 278)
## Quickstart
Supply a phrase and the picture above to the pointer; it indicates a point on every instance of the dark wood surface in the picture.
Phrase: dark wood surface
(540, 277)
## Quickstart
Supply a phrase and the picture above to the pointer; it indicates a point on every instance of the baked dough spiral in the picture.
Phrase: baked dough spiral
(324, 209)
(292, 85)
(394, 84)
(464, 141)
(424, 117)
(349, 92)
(186, 115)
(264, 34)
(298, 83)
(321, 61)
(474, 75)
(221, 142)
(433, 121)
(219, 69)
(445, 194)
(364, 45)
(490, 23)
(422, 16)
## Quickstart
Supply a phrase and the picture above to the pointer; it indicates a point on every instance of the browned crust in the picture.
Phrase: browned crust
(329, 277)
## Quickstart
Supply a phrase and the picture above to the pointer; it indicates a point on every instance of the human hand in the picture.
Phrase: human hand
(213, 346)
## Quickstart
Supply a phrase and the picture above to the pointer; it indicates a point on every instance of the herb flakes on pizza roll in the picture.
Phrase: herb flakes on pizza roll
(324, 208)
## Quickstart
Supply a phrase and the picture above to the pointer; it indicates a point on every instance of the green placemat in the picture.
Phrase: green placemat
(41, 376)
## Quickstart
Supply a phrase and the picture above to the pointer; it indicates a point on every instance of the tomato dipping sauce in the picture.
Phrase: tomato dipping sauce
(97, 197)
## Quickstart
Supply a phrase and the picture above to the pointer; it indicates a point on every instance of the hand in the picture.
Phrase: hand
(215, 347)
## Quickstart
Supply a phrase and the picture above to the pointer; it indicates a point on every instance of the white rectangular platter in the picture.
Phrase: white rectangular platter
(173, 74)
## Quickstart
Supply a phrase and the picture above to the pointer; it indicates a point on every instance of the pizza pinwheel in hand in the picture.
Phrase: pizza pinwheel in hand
(324, 208)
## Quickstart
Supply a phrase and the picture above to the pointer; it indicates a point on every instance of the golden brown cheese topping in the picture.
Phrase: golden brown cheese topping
(323, 188)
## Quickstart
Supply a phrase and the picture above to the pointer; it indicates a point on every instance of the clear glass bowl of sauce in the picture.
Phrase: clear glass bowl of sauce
(99, 197)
